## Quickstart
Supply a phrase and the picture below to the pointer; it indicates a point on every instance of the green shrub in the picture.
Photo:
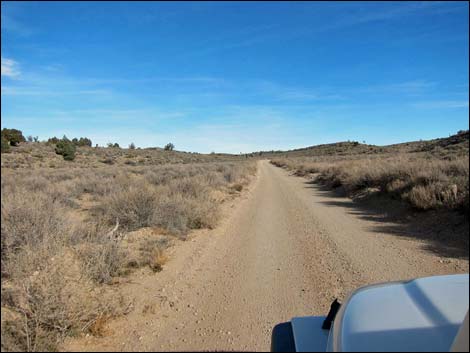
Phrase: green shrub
(65, 148)
(5, 145)
(52, 141)
(13, 136)
(169, 147)
(84, 141)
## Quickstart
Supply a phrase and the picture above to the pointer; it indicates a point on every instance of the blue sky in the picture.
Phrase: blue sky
(235, 77)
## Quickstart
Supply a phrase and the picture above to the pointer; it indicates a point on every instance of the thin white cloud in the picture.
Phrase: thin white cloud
(288, 93)
(441, 104)
(38, 91)
(186, 88)
(300, 95)
(13, 26)
(349, 17)
(414, 87)
(10, 68)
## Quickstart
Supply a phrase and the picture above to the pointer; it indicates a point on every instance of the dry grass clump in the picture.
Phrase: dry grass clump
(152, 253)
(52, 302)
(421, 180)
(175, 198)
(28, 221)
(131, 205)
(178, 213)
(64, 238)
(102, 260)
(47, 295)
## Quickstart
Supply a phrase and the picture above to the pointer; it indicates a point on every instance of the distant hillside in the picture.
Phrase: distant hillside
(31, 154)
(457, 144)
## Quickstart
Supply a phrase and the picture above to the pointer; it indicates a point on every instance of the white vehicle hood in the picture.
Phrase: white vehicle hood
(420, 315)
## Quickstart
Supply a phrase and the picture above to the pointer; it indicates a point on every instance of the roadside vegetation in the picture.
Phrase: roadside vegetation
(70, 232)
(27, 155)
(77, 219)
(426, 175)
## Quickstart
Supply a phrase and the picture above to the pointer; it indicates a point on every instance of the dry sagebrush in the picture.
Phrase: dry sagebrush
(64, 238)
(422, 180)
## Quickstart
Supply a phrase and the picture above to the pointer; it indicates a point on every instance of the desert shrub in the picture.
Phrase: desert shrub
(437, 195)
(424, 197)
(130, 162)
(231, 175)
(213, 179)
(237, 187)
(55, 260)
(34, 183)
(189, 187)
(133, 205)
(66, 149)
(52, 141)
(229, 171)
(422, 180)
(108, 160)
(92, 184)
(5, 145)
(169, 147)
(28, 220)
(179, 210)
(51, 303)
(201, 212)
(132, 146)
(152, 253)
(170, 214)
(47, 295)
(83, 141)
(13, 136)
(102, 260)
(173, 203)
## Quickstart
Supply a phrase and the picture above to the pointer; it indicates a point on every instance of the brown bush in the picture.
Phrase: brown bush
(52, 302)
(423, 180)
(57, 257)
(29, 220)
(132, 205)
(152, 253)
(102, 261)
(178, 213)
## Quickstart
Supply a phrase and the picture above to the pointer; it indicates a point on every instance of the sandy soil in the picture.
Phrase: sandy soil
(285, 248)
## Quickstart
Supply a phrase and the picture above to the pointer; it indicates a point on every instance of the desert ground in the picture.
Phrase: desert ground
(149, 249)
(287, 249)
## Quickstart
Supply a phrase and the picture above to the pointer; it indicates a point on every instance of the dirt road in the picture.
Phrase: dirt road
(285, 249)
